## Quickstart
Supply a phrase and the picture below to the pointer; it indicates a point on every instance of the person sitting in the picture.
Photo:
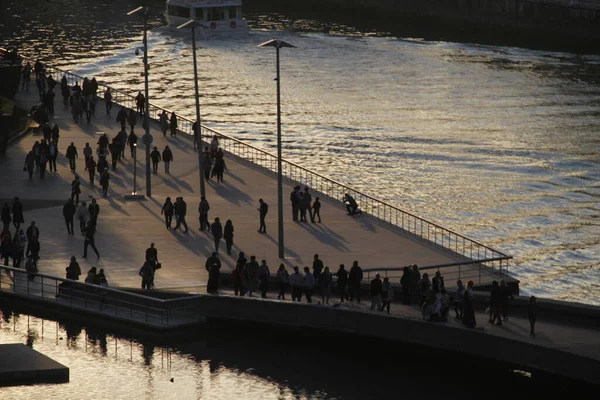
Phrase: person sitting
(351, 205)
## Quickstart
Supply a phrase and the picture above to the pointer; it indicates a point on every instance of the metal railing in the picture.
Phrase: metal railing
(477, 271)
(98, 299)
(326, 187)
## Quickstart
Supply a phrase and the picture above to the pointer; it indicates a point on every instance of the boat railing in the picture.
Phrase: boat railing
(107, 301)
(393, 217)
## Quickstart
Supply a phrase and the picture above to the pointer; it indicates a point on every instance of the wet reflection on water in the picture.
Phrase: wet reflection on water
(497, 143)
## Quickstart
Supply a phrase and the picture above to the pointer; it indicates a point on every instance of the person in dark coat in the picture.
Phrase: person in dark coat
(30, 160)
(140, 101)
(203, 209)
(6, 218)
(217, 232)
(532, 311)
(206, 166)
(69, 210)
(104, 180)
(32, 233)
(167, 211)
(94, 211)
(91, 168)
(405, 282)
(302, 206)
(214, 275)
(295, 200)
(228, 235)
(147, 274)
(317, 267)
(115, 152)
(102, 165)
(173, 124)
(355, 277)
(219, 167)
(90, 231)
(17, 210)
(342, 281)
(122, 118)
(43, 163)
(316, 209)
(73, 270)
(167, 157)
(415, 277)
(6, 246)
(75, 190)
(155, 157)
(132, 139)
(71, 156)
(65, 91)
(469, 308)
(180, 211)
(152, 256)
(307, 203)
(132, 119)
(495, 304)
(262, 211)
(17, 253)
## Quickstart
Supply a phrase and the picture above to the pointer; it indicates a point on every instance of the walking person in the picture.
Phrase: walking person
(69, 211)
(167, 211)
(72, 155)
(217, 232)
(263, 278)
(104, 180)
(316, 210)
(203, 209)
(295, 200)
(532, 311)
(94, 211)
(495, 304)
(251, 275)
(309, 284)
(342, 281)
(325, 282)
(469, 308)
(317, 267)
(65, 91)
(214, 274)
(262, 212)
(90, 231)
(219, 167)
(147, 274)
(228, 235)
(83, 215)
(132, 139)
(52, 155)
(173, 124)
(55, 134)
(283, 278)
(26, 77)
(206, 166)
(91, 168)
(152, 256)
(87, 153)
(75, 190)
(140, 101)
(164, 123)
(238, 275)
(376, 290)
(297, 282)
(387, 295)
(108, 101)
(132, 119)
(32, 234)
(30, 161)
(167, 157)
(307, 203)
(155, 157)
(122, 118)
(17, 211)
(17, 251)
(405, 283)
(43, 162)
(302, 206)
(355, 277)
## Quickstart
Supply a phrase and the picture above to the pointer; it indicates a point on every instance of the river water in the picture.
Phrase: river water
(498, 143)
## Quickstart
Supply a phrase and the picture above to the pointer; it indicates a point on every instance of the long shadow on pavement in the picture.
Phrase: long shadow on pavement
(231, 193)
(324, 237)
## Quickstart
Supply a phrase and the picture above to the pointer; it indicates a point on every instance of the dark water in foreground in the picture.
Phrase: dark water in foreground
(237, 364)
(498, 143)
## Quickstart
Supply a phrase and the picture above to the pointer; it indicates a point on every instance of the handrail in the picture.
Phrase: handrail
(378, 209)
(435, 266)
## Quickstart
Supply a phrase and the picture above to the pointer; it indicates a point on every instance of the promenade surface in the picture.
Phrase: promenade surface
(126, 228)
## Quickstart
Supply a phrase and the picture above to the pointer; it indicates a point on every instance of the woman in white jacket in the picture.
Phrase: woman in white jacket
(83, 215)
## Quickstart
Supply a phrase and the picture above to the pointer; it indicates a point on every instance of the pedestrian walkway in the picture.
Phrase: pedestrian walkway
(126, 228)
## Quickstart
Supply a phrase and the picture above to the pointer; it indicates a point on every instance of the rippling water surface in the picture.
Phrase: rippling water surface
(501, 144)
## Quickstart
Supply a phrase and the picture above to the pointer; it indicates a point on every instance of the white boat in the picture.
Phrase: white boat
(217, 17)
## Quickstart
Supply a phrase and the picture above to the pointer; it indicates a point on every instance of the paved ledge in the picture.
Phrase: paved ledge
(21, 365)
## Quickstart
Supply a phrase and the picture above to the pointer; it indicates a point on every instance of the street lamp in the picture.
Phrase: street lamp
(147, 138)
(278, 44)
(198, 132)
(134, 194)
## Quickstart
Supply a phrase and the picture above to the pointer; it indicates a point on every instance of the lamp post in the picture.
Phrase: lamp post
(147, 138)
(198, 131)
(278, 44)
